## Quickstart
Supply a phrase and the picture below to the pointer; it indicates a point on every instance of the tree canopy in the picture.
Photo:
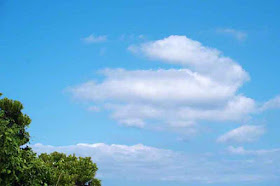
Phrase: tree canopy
(20, 166)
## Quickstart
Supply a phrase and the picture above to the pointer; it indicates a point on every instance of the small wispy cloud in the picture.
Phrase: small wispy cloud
(94, 39)
(102, 51)
(132, 37)
(271, 104)
(237, 34)
(245, 133)
(93, 109)
(141, 36)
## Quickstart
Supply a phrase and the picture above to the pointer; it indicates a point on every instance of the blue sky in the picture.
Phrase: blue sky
(157, 92)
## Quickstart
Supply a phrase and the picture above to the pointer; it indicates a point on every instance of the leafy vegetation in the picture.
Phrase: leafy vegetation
(20, 166)
(70, 170)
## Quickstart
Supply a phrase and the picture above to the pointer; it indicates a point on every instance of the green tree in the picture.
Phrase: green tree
(20, 166)
(18, 163)
(71, 170)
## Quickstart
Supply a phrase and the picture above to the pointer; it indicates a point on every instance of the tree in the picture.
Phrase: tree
(70, 170)
(18, 163)
(20, 166)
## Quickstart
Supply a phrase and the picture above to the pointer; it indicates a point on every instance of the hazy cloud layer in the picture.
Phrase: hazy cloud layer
(242, 151)
(140, 162)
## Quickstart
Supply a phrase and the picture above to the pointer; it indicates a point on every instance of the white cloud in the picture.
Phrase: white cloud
(94, 39)
(165, 96)
(156, 86)
(189, 53)
(140, 162)
(205, 88)
(245, 133)
(242, 151)
(232, 111)
(239, 35)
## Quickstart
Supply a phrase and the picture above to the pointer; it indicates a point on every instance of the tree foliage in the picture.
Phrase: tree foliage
(20, 166)
(70, 170)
